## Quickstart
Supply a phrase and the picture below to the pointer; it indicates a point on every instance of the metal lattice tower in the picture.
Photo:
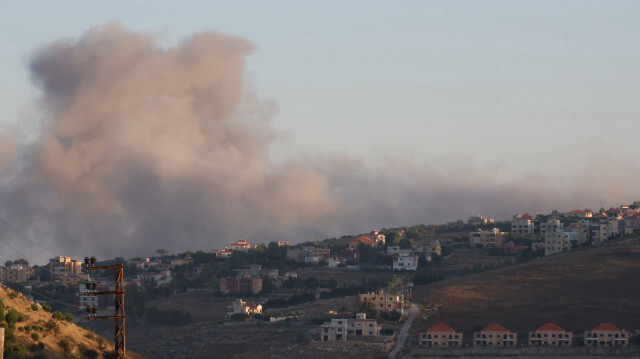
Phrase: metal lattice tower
(119, 316)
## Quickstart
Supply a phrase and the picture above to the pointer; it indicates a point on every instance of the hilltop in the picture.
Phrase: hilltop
(577, 290)
(32, 332)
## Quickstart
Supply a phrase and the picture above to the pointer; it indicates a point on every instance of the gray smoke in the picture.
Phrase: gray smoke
(143, 147)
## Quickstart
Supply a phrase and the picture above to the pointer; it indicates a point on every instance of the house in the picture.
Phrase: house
(397, 250)
(181, 261)
(604, 228)
(361, 326)
(583, 228)
(240, 245)
(335, 330)
(606, 335)
(632, 223)
(440, 336)
(522, 224)
(405, 261)
(225, 253)
(511, 247)
(550, 335)
(239, 306)
(578, 213)
(144, 264)
(361, 239)
(347, 255)
(340, 329)
(495, 335)
(487, 239)
(62, 266)
(384, 302)
(241, 284)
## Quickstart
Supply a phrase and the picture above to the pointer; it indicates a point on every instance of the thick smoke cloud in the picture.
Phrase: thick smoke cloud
(143, 147)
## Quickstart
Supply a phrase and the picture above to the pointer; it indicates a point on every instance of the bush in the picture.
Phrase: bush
(46, 308)
(65, 345)
(58, 315)
(35, 336)
(13, 316)
(239, 317)
(34, 307)
(68, 317)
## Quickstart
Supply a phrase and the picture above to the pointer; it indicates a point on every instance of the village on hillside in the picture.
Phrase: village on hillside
(273, 282)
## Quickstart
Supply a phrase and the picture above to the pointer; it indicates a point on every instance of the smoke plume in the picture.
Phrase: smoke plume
(144, 147)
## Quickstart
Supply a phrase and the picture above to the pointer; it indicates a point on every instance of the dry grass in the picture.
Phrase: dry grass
(577, 290)
(75, 335)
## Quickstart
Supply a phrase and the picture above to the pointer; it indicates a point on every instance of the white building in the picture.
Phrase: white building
(336, 329)
(405, 261)
(522, 224)
(550, 226)
(339, 329)
(239, 306)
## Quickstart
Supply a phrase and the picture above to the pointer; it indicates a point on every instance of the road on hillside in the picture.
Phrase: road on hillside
(402, 337)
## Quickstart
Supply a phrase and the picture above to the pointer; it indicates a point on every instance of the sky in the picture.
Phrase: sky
(317, 119)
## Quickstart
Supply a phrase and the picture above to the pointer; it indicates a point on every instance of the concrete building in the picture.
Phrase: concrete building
(361, 326)
(550, 226)
(240, 245)
(578, 213)
(559, 241)
(16, 273)
(62, 266)
(495, 335)
(440, 336)
(479, 220)
(341, 329)
(405, 261)
(243, 284)
(384, 302)
(239, 306)
(550, 335)
(522, 224)
(487, 239)
(606, 335)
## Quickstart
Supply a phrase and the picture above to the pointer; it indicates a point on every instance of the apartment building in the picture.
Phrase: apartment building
(384, 302)
(339, 329)
(550, 226)
(239, 306)
(550, 335)
(405, 261)
(440, 336)
(62, 266)
(522, 224)
(492, 238)
(559, 241)
(242, 284)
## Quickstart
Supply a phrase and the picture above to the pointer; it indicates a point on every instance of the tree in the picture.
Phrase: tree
(366, 306)
(162, 252)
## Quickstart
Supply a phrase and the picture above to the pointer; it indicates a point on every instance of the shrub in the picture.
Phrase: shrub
(239, 317)
(13, 316)
(58, 315)
(46, 308)
(65, 345)
(35, 336)
(34, 307)
(68, 317)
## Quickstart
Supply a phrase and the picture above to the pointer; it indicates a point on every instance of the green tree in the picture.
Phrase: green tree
(366, 306)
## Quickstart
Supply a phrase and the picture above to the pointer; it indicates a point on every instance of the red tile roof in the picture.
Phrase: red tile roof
(495, 328)
(550, 327)
(577, 211)
(526, 216)
(363, 239)
(607, 326)
(441, 328)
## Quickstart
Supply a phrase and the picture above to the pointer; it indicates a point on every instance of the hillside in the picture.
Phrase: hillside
(38, 335)
(577, 290)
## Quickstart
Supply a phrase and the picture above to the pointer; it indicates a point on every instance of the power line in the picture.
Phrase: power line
(24, 236)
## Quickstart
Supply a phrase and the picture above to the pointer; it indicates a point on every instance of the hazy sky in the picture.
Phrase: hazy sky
(489, 95)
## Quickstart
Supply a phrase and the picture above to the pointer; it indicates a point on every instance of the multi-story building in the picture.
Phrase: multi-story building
(559, 241)
(405, 261)
(604, 228)
(495, 335)
(440, 336)
(239, 306)
(340, 329)
(550, 335)
(487, 239)
(242, 284)
(336, 329)
(361, 326)
(550, 226)
(582, 228)
(240, 245)
(384, 302)
(16, 273)
(62, 266)
(606, 335)
(522, 224)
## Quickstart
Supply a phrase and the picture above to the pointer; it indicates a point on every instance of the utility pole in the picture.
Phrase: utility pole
(119, 341)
